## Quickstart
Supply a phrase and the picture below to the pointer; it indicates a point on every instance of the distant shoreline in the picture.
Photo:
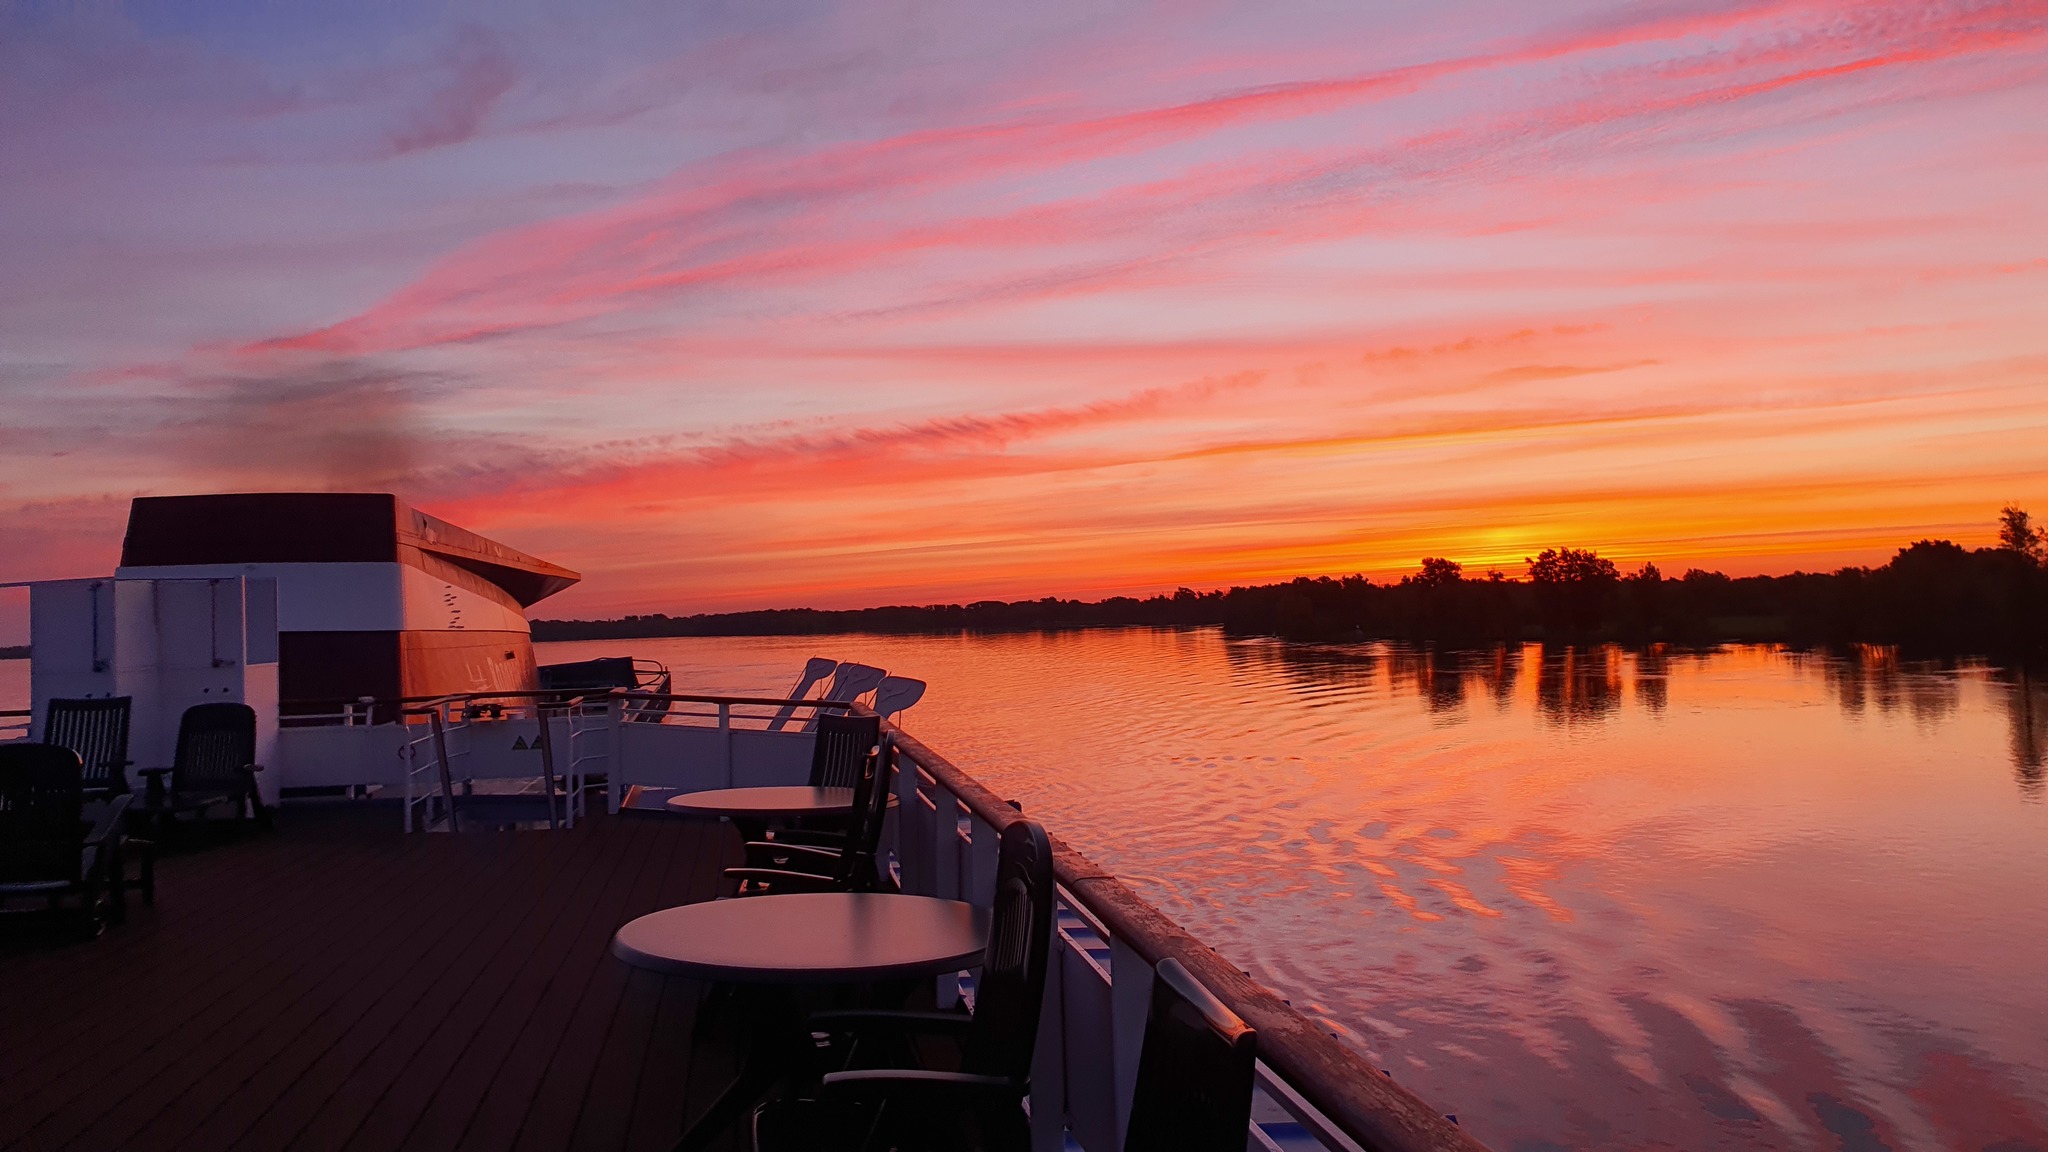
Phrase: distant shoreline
(1933, 597)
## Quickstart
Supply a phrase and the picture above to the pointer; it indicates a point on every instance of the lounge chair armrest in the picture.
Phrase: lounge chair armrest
(109, 823)
(778, 848)
(875, 1020)
(783, 879)
(902, 1084)
(819, 837)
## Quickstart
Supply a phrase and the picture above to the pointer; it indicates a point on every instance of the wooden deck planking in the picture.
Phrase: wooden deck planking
(337, 985)
(158, 1010)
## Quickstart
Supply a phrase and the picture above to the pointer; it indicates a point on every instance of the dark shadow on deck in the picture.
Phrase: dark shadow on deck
(338, 985)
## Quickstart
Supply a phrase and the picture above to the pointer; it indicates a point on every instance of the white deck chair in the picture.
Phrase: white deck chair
(895, 694)
(854, 681)
(815, 669)
(850, 683)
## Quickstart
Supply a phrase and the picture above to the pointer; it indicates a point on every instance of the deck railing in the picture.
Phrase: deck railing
(443, 753)
(14, 723)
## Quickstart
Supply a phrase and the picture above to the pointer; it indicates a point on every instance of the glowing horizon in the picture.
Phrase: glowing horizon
(739, 310)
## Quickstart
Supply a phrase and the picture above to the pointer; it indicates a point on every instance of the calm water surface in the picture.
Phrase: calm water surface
(1740, 899)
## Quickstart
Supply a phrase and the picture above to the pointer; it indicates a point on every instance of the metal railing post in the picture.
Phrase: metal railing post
(447, 779)
(547, 761)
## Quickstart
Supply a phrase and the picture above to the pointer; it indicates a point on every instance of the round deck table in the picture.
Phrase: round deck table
(753, 810)
(807, 938)
(763, 804)
(766, 944)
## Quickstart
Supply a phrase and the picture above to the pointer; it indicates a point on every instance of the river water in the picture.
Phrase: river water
(1746, 898)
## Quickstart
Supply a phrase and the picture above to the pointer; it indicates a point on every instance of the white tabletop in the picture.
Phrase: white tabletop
(807, 937)
(763, 803)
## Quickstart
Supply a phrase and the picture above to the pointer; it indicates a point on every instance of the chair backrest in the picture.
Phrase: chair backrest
(815, 669)
(1194, 1091)
(897, 693)
(1011, 987)
(852, 681)
(42, 800)
(215, 742)
(98, 731)
(843, 744)
(859, 864)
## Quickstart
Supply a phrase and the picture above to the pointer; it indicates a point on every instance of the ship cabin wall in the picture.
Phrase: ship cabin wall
(165, 644)
(386, 630)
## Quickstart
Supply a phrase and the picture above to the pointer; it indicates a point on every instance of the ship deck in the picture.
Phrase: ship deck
(337, 985)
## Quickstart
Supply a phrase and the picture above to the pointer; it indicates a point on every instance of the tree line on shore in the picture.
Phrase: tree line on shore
(1932, 596)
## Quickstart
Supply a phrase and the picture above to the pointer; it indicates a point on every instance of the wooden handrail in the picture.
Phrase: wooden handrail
(556, 693)
(1363, 1102)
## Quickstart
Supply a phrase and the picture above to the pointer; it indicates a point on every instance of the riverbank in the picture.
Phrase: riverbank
(1933, 598)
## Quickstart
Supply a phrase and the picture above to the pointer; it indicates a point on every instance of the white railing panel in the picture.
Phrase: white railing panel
(338, 756)
(1087, 1033)
(670, 756)
(761, 758)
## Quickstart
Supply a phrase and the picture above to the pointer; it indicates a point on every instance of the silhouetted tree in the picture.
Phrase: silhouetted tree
(1436, 572)
(2017, 533)
(1575, 586)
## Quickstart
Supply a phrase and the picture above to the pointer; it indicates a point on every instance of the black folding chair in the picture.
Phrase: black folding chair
(215, 766)
(979, 1106)
(48, 850)
(852, 865)
(1194, 1091)
(98, 731)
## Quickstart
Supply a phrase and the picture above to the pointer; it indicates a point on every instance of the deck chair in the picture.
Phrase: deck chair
(98, 731)
(896, 693)
(1195, 1068)
(853, 681)
(815, 669)
(849, 683)
(979, 1106)
(215, 766)
(842, 748)
(48, 850)
(780, 865)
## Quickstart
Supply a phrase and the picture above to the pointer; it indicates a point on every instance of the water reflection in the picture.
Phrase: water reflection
(1497, 670)
(1579, 685)
(2024, 709)
(1653, 678)
(1874, 674)
(1435, 678)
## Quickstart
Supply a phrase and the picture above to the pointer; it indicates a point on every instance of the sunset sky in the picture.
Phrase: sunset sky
(756, 304)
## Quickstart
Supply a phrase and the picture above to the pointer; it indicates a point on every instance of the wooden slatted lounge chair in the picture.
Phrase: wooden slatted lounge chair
(215, 767)
(979, 1106)
(98, 731)
(48, 850)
